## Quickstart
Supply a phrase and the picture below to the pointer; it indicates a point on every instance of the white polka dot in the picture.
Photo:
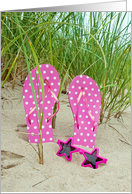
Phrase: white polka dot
(95, 95)
(78, 139)
(91, 100)
(88, 134)
(89, 123)
(26, 78)
(46, 96)
(72, 86)
(47, 66)
(97, 101)
(92, 128)
(81, 134)
(90, 83)
(26, 102)
(33, 78)
(82, 122)
(27, 128)
(74, 104)
(94, 106)
(91, 140)
(86, 116)
(37, 96)
(49, 114)
(32, 134)
(36, 140)
(98, 90)
(44, 72)
(83, 110)
(87, 146)
(50, 126)
(76, 93)
(80, 116)
(51, 71)
(54, 77)
(42, 126)
(85, 140)
(77, 81)
(37, 72)
(81, 104)
(74, 133)
(47, 78)
(51, 138)
(29, 84)
(48, 102)
(79, 87)
(44, 84)
(89, 94)
(40, 90)
(71, 98)
(46, 108)
(26, 115)
(69, 92)
(32, 121)
(40, 66)
(86, 88)
(80, 76)
(47, 132)
(87, 77)
(84, 82)
(92, 89)
(96, 112)
(94, 135)
(43, 139)
(85, 128)
(55, 90)
(30, 96)
(59, 83)
(52, 84)
(23, 97)
(26, 91)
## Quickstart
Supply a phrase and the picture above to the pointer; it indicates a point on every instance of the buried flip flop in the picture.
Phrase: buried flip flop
(51, 89)
(85, 101)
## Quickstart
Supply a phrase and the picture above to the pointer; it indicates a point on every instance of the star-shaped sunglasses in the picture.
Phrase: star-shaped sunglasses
(92, 159)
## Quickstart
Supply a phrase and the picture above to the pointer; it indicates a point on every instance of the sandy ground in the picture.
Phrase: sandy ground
(20, 171)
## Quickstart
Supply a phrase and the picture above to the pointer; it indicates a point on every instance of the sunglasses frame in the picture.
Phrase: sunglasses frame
(81, 151)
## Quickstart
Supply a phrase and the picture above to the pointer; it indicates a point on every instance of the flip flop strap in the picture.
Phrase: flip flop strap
(55, 97)
(82, 93)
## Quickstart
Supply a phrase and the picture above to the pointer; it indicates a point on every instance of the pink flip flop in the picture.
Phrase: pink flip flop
(85, 101)
(51, 89)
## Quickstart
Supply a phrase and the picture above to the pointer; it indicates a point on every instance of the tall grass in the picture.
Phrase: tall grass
(95, 44)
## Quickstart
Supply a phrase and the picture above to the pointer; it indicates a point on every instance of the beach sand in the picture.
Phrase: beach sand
(21, 172)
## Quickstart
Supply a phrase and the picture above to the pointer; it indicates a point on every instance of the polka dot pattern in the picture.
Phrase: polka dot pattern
(85, 135)
(48, 72)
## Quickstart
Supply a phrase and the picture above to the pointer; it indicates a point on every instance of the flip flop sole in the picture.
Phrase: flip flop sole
(48, 72)
(85, 135)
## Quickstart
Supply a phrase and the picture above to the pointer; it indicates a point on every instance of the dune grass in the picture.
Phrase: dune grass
(97, 44)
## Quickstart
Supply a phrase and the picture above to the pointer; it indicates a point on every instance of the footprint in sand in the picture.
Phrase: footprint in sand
(9, 160)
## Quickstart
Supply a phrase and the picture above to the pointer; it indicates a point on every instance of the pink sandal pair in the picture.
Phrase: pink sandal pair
(84, 97)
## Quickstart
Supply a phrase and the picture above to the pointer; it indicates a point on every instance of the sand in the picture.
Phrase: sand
(21, 172)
